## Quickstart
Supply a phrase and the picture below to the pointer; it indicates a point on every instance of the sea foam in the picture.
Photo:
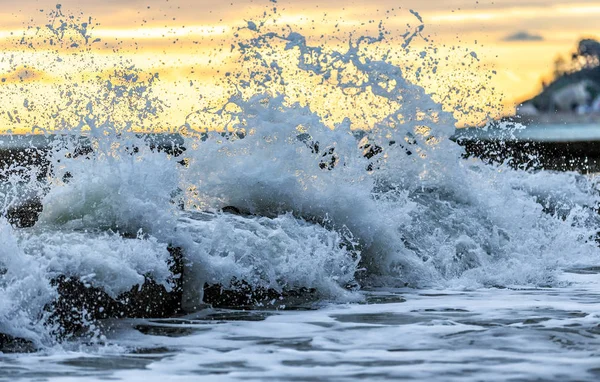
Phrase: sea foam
(390, 202)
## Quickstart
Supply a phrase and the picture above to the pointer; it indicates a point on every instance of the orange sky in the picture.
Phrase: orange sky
(190, 39)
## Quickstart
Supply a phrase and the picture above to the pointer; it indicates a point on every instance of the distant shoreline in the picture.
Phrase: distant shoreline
(557, 119)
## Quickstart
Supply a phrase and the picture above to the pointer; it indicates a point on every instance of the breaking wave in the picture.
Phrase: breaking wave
(278, 200)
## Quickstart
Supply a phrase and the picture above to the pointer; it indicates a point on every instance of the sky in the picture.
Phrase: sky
(516, 41)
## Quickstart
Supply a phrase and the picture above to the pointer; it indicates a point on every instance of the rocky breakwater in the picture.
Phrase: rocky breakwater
(550, 145)
(78, 308)
(77, 305)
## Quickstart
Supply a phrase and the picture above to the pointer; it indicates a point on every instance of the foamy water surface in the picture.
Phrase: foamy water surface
(510, 334)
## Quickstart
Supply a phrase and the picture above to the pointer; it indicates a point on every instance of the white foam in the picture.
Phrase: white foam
(416, 214)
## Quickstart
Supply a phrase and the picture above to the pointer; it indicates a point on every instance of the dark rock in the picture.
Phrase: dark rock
(235, 211)
(11, 344)
(369, 151)
(24, 214)
(583, 156)
(329, 158)
(79, 305)
(172, 144)
(26, 158)
(242, 295)
(374, 152)
(152, 299)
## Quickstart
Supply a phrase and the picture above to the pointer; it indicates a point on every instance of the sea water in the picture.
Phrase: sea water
(488, 334)
(387, 254)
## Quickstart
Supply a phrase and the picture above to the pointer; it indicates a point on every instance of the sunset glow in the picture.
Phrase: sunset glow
(189, 44)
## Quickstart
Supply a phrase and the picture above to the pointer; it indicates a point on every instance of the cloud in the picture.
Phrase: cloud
(523, 36)
(22, 74)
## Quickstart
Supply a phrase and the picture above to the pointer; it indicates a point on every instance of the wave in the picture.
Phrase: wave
(281, 202)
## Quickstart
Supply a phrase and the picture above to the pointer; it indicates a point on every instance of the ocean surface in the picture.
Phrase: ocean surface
(528, 334)
(284, 248)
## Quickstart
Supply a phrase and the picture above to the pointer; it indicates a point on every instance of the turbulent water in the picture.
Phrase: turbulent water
(360, 251)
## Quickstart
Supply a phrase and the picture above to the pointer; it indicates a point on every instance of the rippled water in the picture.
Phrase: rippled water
(489, 334)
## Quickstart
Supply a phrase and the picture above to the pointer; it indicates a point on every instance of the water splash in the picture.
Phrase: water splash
(340, 170)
